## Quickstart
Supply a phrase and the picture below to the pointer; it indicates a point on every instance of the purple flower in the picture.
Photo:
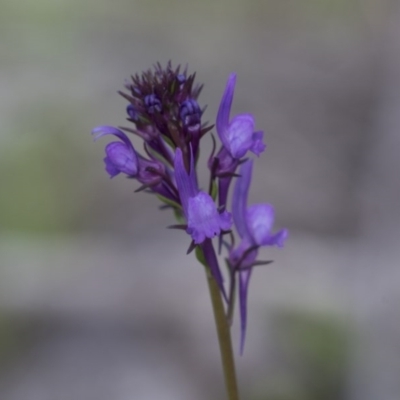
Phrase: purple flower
(120, 156)
(254, 225)
(237, 135)
(203, 219)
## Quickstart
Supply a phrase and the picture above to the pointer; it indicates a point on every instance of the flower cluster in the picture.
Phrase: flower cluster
(164, 112)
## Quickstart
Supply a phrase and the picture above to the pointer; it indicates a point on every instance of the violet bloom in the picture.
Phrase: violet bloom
(203, 219)
(120, 156)
(254, 225)
(237, 135)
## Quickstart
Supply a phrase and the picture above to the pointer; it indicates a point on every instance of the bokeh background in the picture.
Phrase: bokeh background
(99, 301)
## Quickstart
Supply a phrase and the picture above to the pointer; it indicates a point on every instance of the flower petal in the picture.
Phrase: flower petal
(278, 239)
(111, 169)
(212, 262)
(244, 279)
(224, 110)
(122, 158)
(203, 219)
(260, 219)
(186, 183)
(258, 145)
(240, 134)
(110, 130)
(239, 202)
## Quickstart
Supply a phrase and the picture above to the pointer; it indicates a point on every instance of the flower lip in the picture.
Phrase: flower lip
(203, 219)
(121, 158)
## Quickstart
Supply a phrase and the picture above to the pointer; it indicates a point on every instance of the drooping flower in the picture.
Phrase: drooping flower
(120, 156)
(237, 135)
(254, 226)
(203, 219)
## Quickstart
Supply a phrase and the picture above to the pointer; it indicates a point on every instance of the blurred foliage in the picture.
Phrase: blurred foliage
(49, 12)
(37, 171)
(312, 352)
(10, 338)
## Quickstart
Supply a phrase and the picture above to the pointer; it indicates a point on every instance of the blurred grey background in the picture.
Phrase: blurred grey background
(99, 301)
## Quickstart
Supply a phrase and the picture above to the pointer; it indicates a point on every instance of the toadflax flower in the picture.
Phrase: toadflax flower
(237, 136)
(203, 219)
(120, 156)
(254, 225)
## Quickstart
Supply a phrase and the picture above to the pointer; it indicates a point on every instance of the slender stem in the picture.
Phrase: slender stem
(224, 338)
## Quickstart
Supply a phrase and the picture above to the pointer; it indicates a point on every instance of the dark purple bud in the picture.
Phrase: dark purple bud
(132, 112)
(152, 103)
(190, 114)
(181, 78)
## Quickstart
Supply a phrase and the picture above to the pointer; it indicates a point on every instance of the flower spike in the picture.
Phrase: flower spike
(165, 113)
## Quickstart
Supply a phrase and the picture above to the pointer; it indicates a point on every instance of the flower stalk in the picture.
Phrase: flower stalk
(224, 337)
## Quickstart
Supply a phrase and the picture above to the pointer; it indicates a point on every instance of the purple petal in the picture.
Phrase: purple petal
(244, 278)
(212, 262)
(236, 254)
(258, 146)
(225, 110)
(223, 188)
(260, 219)
(186, 183)
(240, 135)
(110, 168)
(278, 239)
(203, 218)
(110, 130)
(239, 202)
(122, 158)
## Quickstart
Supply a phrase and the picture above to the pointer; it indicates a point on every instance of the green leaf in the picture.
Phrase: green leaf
(214, 190)
(168, 141)
(200, 256)
(169, 202)
(179, 216)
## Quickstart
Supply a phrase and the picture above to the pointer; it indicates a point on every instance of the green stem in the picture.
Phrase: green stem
(224, 338)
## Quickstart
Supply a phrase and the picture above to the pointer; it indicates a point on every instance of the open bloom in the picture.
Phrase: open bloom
(203, 219)
(254, 225)
(237, 135)
(120, 156)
